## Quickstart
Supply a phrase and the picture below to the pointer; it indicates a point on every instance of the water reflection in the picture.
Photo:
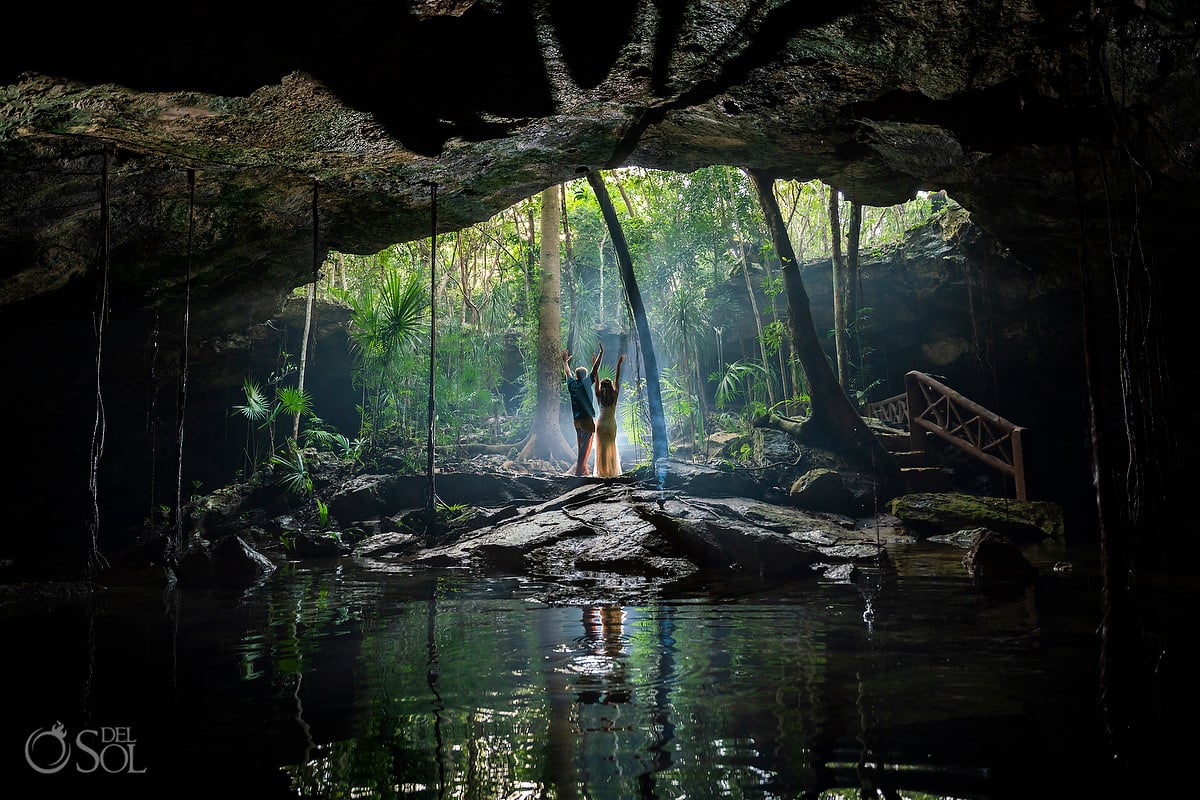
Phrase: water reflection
(346, 683)
(601, 669)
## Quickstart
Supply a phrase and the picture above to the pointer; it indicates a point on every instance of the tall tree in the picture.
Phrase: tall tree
(303, 368)
(572, 276)
(834, 421)
(853, 298)
(430, 479)
(683, 326)
(546, 439)
(658, 419)
(308, 308)
(742, 244)
(841, 339)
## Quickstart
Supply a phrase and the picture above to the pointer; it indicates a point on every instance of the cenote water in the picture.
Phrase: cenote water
(333, 679)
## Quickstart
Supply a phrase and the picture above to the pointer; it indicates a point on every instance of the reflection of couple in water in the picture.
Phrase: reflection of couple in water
(603, 627)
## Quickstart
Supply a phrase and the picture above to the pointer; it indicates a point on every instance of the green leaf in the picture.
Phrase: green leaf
(256, 408)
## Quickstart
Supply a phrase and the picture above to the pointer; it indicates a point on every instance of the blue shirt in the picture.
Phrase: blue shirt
(581, 397)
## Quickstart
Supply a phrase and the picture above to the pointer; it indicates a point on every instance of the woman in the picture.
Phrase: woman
(608, 461)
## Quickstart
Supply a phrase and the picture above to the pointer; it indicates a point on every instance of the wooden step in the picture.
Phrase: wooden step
(894, 441)
(928, 479)
(913, 458)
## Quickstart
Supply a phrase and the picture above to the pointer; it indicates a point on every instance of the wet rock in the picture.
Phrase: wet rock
(474, 487)
(774, 447)
(822, 490)
(839, 573)
(994, 561)
(942, 513)
(307, 544)
(228, 510)
(362, 497)
(385, 544)
(705, 481)
(727, 444)
(609, 534)
(965, 538)
(227, 561)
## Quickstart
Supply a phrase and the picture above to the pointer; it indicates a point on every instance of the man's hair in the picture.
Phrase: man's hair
(580, 372)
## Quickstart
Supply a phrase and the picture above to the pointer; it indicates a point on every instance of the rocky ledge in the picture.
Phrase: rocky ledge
(622, 540)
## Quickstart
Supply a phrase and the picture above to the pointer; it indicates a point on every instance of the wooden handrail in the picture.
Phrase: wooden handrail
(930, 406)
(892, 409)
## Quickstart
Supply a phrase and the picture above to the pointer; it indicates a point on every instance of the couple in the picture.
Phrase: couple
(579, 386)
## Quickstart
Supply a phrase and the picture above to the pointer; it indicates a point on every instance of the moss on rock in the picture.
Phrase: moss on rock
(938, 513)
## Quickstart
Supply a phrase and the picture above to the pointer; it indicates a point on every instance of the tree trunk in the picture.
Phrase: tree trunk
(430, 477)
(572, 277)
(528, 262)
(312, 290)
(308, 310)
(546, 439)
(762, 346)
(697, 379)
(658, 419)
(841, 339)
(834, 421)
(853, 299)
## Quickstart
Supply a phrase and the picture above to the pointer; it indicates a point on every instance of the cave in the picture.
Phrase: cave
(168, 178)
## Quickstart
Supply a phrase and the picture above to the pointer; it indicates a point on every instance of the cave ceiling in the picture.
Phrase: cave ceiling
(185, 146)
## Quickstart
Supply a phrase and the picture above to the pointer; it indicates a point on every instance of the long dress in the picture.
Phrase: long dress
(608, 460)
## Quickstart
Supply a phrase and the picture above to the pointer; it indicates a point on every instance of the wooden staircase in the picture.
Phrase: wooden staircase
(920, 470)
(931, 426)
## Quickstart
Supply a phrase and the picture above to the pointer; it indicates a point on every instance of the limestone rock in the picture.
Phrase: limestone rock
(995, 561)
(227, 561)
(933, 513)
(822, 490)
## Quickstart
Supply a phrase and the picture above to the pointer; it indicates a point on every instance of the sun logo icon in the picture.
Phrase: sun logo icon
(57, 733)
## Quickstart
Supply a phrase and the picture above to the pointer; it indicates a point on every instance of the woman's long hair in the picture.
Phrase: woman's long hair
(606, 393)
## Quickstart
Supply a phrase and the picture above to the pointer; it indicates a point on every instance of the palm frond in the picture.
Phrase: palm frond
(293, 473)
(256, 408)
(402, 307)
(294, 401)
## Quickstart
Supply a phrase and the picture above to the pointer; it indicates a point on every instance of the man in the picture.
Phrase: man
(579, 386)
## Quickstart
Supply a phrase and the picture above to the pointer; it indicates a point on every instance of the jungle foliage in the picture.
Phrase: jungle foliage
(696, 240)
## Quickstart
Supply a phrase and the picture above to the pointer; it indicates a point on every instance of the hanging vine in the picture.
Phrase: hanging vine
(175, 543)
(96, 559)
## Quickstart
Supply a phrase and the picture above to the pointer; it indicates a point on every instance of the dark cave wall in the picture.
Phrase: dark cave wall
(133, 368)
(262, 353)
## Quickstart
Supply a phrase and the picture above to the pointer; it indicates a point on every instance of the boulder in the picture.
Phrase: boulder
(385, 544)
(224, 562)
(995, 561)
(944, 513)
(822, 490)
(362, 497)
